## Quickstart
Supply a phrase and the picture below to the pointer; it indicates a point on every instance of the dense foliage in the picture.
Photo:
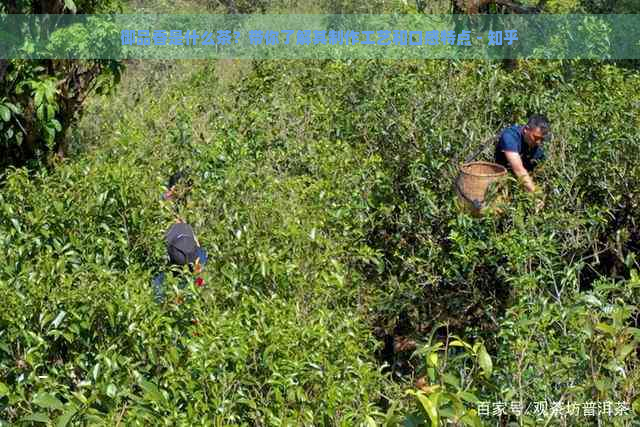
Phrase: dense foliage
(330, 217)
(570, 269)
(40, 100)
(345, 286)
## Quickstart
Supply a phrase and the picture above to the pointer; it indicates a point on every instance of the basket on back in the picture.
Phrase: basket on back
(474, 180)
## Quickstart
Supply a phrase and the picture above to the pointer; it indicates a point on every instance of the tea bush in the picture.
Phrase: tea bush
(322, 191)
(83, 340)
(427, 263)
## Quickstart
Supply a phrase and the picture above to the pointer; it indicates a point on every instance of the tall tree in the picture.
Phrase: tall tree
(41, 99)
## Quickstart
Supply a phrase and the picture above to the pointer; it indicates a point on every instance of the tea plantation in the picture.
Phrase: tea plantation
(344, 284)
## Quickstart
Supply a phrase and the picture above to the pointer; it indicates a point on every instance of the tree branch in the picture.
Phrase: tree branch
(472, 7)
(518, 8)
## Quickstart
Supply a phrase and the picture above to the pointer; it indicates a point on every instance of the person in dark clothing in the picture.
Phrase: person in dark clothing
(183, 246)
(520, 150)
(183, 249)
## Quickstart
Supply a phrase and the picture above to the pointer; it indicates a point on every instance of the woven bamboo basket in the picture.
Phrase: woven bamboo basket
(472, 183)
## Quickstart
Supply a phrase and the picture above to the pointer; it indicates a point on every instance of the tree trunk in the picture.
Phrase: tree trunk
(473, 7)
(4, 64)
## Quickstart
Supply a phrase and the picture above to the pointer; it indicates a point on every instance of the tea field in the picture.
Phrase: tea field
(344, 284)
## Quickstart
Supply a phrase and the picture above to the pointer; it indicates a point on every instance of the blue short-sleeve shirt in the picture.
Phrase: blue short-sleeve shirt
(512, 139)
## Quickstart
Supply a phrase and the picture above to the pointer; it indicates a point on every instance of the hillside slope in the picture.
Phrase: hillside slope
(322, 191)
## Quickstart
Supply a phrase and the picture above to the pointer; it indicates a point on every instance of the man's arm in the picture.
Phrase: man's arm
(519, 169)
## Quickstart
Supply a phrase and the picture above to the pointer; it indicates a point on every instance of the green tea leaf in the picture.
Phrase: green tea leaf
(485, 361)
(152, 392)
(38, 417)
(48, 401)
(592, 300)
(111, 390)
(433, 359)
(451, 379)
(625, 350)
(607, 329)
(429, 408)
(455, 401)
(38, 98)
(471, 419)
(16, 225)
(56, 322)
(12, 107)
(370, 422)
(64, 419)
(5, 113)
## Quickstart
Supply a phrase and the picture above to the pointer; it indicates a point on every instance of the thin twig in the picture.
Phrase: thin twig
(124, 408)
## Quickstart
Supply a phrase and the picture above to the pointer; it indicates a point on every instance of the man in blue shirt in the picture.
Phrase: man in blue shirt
(520, 148)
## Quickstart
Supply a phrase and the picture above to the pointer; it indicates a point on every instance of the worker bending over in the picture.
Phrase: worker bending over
(519, 148)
